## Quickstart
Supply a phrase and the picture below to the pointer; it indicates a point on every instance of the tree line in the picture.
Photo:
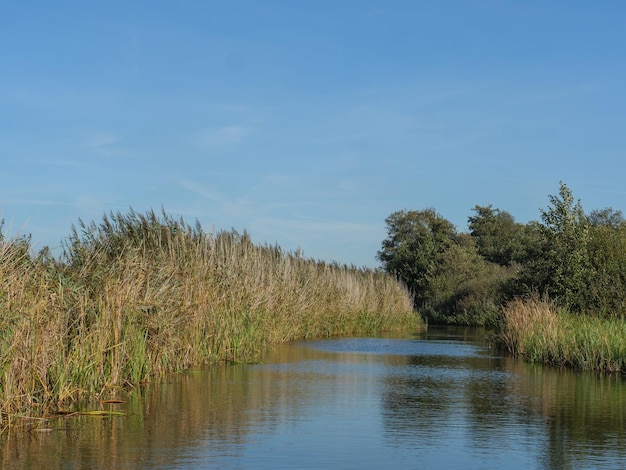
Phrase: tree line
(575, 258)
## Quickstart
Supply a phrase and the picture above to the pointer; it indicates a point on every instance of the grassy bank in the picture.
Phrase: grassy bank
(539, 332)
(139, 295)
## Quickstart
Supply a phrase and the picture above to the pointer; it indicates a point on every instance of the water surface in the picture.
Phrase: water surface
(441, 399)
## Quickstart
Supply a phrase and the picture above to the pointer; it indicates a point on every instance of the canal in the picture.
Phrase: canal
(439, 399)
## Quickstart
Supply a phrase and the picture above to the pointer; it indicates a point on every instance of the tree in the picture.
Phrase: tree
(607, 217)
(464, 287)
(415, 241)
(498, 237)
(561, 267)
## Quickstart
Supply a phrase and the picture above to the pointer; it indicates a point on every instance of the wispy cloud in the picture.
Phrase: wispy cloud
(202, 191)
(275, 216)
(84, 203)
(553, 94)
(220, 137)
(100, 139)
(304, 224)
(320, 237)
(220, 205)
(35, 202)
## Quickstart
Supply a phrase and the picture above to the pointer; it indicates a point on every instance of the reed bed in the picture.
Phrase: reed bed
(140, 295)
(538, 331)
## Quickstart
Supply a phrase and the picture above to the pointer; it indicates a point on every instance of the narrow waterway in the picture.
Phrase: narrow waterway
(441, 399)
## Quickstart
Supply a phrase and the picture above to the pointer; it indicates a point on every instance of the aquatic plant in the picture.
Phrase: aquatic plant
(140, 295)
(537, 330)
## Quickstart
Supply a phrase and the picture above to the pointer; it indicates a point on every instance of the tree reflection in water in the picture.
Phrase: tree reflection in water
(441, 398)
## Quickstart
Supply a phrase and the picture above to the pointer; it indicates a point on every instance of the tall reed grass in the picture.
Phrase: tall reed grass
(140, 295)
(538, 331)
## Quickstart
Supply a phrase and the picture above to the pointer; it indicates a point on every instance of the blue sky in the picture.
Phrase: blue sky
(307, 122)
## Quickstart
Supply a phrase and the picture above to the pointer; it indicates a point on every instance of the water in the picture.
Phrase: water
(442, 399)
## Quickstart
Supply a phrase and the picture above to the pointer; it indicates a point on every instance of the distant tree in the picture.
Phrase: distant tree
(456, 267)
(498, 237)
(607, 255)
(415, 241)
(560, 264)
(464, 288)
(608, 217)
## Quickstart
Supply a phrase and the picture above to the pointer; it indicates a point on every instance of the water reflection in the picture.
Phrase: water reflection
(583, 412)
(514, 413)
(439, 399)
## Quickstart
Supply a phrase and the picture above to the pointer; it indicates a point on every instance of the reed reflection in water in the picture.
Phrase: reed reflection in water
(433, 400)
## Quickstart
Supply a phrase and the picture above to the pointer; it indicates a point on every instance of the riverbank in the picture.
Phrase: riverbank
(141, 295)
(539, 332)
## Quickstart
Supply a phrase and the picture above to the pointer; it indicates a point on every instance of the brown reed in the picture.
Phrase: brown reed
(538, 331)
(141, 295)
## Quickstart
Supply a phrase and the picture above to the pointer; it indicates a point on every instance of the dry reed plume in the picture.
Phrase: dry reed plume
(140, 295)
(540, 332)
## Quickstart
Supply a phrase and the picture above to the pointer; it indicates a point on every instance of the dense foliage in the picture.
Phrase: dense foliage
(576, 259)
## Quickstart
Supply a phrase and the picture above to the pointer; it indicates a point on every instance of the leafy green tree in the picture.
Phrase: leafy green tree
(464, 287)
(415, 241)
(498, 237)
(607, 217)
(579, 260)
(455, 268)
(560, 265)
(607, 255)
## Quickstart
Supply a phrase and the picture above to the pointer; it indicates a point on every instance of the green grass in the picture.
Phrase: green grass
(141, 295)
(537, 331)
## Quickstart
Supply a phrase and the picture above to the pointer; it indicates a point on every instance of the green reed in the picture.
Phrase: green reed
(140, 295)
(540, 332)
